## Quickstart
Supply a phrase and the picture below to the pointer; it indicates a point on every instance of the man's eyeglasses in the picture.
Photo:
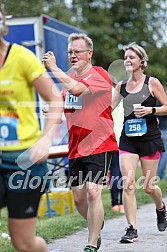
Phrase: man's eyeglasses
(76, 52)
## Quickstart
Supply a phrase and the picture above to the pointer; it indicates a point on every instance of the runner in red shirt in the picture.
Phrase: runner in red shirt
(87, 93)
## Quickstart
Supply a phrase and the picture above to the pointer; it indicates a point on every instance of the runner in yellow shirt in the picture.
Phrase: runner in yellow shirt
(23, 149)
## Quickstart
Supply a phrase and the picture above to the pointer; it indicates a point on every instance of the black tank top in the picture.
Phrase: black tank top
(146, 99)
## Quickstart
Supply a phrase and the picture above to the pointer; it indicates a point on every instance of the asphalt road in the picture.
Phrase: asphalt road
(150, 239)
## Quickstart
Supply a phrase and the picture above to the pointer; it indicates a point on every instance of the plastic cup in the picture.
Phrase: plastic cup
(137, 105)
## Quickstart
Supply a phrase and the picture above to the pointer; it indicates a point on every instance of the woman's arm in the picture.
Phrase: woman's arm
(116, 97)
(158, 92)
(51, 94)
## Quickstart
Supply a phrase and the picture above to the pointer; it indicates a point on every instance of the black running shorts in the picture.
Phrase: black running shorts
(142, 148)
(92, 168)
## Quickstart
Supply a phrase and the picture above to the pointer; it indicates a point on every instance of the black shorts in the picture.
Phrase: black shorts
(142, 148)
(20, 202)
(92, 168)
(23, 187)
(23, 205)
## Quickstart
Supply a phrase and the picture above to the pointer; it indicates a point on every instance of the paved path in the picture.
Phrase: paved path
(150, 239)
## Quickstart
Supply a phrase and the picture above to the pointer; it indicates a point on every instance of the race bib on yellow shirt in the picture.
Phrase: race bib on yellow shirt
(8, 131)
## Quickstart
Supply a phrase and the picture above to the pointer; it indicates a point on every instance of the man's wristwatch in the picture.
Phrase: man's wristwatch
(153, 111)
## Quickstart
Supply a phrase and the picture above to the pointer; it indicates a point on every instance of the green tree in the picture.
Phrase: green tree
(20, 8)
(158, 63)
(113, 23)
(23, 8)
